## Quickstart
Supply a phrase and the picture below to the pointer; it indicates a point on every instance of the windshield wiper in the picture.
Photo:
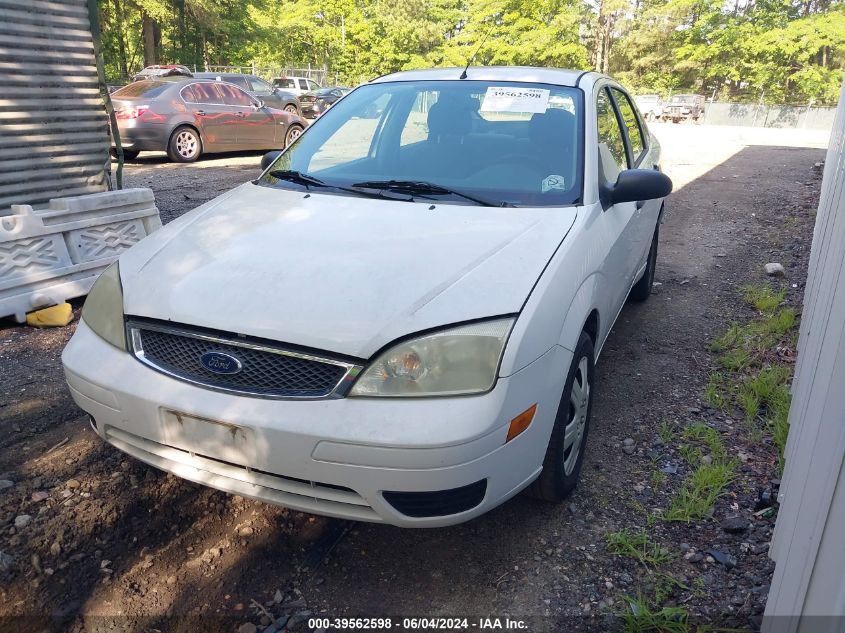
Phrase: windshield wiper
(309, 181)
(422, 188)
(298, 177)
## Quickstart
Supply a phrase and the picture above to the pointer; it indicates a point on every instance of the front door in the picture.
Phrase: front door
(214, 119)
(255, 129)
(620, 220)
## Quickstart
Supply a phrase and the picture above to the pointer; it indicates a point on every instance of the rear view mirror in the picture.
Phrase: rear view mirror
(634, 185)
(269, 158)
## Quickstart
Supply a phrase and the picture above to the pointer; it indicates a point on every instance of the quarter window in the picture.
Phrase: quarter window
(612, 154)
(632, 122)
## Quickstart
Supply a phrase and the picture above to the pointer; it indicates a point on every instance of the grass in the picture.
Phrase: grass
(700, 491)
(665, 432)
(715, 393)
(707, 436)
(753, 378)
(763, 298)
(637, 545)
(658, 479)
(691, 454)
(641, 617)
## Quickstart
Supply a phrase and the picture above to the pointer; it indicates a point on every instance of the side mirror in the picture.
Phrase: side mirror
(258, 104)
(634, 185)
(269, 158)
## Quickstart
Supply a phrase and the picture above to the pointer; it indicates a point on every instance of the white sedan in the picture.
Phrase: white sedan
(398, 321)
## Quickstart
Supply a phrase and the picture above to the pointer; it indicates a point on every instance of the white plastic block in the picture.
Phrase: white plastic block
(50, 255)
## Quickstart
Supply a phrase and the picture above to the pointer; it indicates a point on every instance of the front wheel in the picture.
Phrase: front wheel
(565, 452)
(293, 133)
(185, 145)
(642, 289)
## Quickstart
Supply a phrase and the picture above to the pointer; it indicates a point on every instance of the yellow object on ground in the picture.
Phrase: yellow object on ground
(54, 316)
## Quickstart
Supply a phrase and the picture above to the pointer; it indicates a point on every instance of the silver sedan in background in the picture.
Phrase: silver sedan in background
(188, 117)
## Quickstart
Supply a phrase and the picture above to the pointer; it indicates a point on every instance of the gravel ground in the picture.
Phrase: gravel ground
(106, 536)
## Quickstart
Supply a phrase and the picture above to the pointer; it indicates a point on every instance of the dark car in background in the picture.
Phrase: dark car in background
(271, 96)
(189, 117)
(313, 104)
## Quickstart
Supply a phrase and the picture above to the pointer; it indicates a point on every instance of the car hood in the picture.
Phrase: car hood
(339, 273)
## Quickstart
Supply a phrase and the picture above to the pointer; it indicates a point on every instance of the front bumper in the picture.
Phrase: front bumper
(330, 457)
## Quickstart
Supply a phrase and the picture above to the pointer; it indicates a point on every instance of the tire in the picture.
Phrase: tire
(293, 133)
(185, 145)
(562, 467)
(642, 289)
(128, 154)
(292, 109)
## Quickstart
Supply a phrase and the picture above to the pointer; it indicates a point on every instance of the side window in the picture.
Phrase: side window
(416, 125)
(632, 122)
(258, 85)
(611, 144)
(240, 82)
(287, 83)
(348, 144)
(233, 96)
(206, 92)
(313, 85)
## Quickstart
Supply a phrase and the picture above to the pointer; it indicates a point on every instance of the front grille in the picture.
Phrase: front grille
(438, 503)
(264, 371)
(307, 99)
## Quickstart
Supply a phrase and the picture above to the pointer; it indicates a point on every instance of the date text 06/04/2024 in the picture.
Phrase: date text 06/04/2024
(417, 624)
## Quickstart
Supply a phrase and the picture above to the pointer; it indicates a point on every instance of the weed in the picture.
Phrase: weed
(706, 435)
(658, 478)
(715, 393)
(700, 491)
(763, 298)
(665, 432)
(639, 617)
(691, 454)
(735, 359)
(664, 585)
(780, 322)
(637, 545)
(728, 340)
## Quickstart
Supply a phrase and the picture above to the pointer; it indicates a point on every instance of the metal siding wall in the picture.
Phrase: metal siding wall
(808, 545)
(53, 127)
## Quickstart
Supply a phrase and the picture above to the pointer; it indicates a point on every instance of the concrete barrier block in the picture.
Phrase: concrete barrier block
(50, 255)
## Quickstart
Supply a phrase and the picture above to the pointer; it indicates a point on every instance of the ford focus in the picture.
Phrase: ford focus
(399, 320)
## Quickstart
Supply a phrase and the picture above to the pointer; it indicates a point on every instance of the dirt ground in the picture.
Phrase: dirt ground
(130, 548)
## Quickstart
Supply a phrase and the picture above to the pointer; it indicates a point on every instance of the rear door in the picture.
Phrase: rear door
(255, 126)
(216, 121)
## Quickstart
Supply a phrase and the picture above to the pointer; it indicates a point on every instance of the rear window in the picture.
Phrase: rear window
(145, 89)
(284, 83)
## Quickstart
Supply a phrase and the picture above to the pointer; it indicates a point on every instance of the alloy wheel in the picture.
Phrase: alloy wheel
(186, 144)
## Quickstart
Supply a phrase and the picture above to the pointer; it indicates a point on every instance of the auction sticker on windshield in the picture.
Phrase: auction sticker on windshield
(506, 99)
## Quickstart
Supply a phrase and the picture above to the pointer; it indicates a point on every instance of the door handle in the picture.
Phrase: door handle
(240, 114)
(201, 112)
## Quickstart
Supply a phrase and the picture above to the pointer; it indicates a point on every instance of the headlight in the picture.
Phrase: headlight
(103, 309)
(457, 361)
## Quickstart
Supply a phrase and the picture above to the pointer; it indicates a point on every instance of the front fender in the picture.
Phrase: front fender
(579, 310)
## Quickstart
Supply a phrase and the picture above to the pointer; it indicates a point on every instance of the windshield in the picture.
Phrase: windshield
(509, 143)
(683, 99)
(146, 89)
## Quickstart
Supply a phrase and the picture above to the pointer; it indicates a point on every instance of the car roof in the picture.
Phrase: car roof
(210, 75)
(531, 74)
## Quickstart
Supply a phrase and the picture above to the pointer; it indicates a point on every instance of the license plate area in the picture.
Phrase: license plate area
(209, 438)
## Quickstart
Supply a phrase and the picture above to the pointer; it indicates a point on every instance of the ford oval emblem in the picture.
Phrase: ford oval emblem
(220, 363)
